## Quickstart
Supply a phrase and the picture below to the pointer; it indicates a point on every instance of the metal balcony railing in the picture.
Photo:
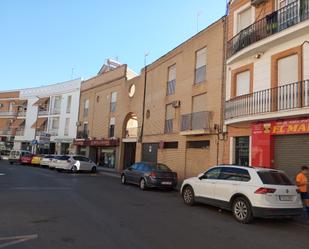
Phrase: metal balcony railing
(20, 132)
(55, 111)
(273, 23)
(41, 131)
(43, 112)
(286, 97)
(6, 132)
(53, 132)
(82, 134)
(8, 113)
(22, 113)
(195, 121)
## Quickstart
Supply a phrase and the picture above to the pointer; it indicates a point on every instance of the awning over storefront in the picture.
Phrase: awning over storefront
(38, 123)
(4, 123)
(41, 101)
(21, 102)
(97, 142)
(17, 123)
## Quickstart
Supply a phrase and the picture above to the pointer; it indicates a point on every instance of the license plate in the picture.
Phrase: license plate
(166, 183)
(285, 198)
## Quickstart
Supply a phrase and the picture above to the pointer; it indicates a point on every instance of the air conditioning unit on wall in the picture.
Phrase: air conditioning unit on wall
(257, 2)
(176, 103)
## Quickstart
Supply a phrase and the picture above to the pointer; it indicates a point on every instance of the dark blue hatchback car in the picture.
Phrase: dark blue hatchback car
(150, 175)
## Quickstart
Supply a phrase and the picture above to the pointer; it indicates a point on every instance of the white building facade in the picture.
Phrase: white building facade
(50, 117)
(267, 84)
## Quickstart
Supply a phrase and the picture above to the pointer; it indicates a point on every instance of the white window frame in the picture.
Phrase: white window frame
(236, 16)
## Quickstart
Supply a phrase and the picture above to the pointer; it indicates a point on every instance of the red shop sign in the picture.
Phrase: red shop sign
(285, 127)
(300, 126)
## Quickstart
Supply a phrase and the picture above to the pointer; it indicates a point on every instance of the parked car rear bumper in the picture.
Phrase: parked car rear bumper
(276, 212)
(159, 183)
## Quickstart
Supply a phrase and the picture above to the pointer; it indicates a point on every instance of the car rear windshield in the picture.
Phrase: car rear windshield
(274, 178)
(62, 157)
(159, 167)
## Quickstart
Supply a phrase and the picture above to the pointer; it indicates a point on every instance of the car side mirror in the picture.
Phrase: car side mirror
(201, 176)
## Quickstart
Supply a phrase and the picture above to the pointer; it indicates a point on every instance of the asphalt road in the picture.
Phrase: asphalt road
(62, 210)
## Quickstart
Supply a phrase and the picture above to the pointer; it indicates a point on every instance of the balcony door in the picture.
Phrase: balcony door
(288, 13)
(288, 86)
(199, 107)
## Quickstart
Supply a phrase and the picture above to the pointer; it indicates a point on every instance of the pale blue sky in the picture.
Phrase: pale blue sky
(42, 40)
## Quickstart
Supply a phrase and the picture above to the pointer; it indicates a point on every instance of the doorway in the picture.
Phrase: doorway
(129, 154)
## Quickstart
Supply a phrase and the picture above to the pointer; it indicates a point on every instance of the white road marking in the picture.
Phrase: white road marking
(2, 174)
(17, 239)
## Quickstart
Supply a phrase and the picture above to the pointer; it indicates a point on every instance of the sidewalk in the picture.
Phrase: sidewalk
(108, 172)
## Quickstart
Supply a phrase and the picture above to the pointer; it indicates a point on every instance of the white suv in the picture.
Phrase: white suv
(248, 192)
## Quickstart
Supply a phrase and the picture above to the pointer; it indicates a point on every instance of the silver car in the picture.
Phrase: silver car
(73, 163)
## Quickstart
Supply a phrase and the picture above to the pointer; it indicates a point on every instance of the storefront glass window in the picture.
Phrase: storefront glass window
(242, 151)
(107, 158)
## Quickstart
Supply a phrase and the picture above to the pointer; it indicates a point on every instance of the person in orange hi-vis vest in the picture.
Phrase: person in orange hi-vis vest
(302, 183)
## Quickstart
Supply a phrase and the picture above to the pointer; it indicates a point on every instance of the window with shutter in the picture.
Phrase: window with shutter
(244, 19)
(171, 84)
(200, 65)
(243, 83)
(169, 117)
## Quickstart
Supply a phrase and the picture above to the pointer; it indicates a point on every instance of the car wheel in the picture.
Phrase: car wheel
(242, 210)
(59, 170)
(94, 169)
(188, 195)
(11, 163)
(123, 179)
(74, 169)
(142, 184)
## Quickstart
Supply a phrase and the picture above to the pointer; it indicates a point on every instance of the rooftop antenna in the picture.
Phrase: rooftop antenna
(198, 14)
(145, 58)
(72, 73)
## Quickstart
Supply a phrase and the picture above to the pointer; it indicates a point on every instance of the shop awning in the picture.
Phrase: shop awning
(41, 101)
(4, 124)
(17, 123)
(38, 123)
(20, 102)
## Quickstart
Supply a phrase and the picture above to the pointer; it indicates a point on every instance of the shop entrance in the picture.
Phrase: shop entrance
(129, 154)
(290, 153)
(106, 157)
(242, 151)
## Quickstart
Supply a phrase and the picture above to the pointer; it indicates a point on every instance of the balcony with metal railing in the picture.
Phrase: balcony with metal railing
(6, 132)
(20, 132)
(82, 134)
(53, 132)
(7, 113)
(55, 111)
(43, 112)
(21, 113)
(277, 21)
(195, 123)
(273, 100)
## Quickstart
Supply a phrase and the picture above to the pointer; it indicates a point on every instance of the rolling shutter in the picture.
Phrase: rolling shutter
(291, 152)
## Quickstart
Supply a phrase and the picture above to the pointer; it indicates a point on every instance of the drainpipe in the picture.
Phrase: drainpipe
(223, 85)
(144, 98)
